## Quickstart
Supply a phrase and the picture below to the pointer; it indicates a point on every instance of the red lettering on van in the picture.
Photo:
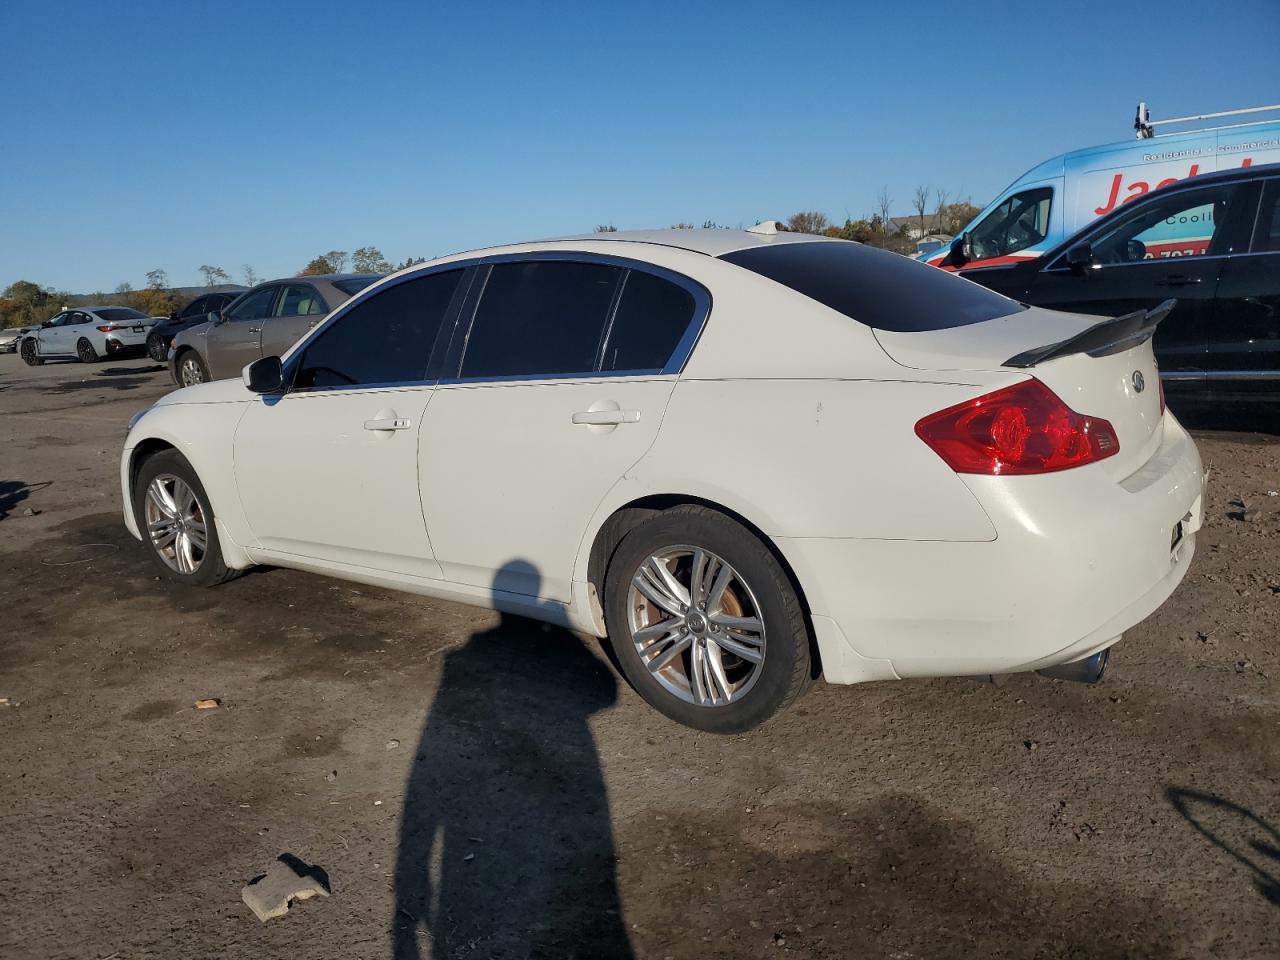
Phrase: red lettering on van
(1140, 187)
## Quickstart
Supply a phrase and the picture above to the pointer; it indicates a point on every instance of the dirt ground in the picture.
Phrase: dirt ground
(479, 786)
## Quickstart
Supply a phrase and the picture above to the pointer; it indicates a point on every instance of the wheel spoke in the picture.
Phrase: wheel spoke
(697, 679)
(646, 637)
(739, 649)
(183, 498)
(719, 681)
(697, 578)
(162, 540)
(667, 579)
(716, 594)
(669, 654)
(741, 624)
(159, 496)
(655, 589)
(197, 536)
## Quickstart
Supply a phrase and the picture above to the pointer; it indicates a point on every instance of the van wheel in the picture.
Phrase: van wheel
(85, 351)
(30, 356)
(177, 523)
(705, 622)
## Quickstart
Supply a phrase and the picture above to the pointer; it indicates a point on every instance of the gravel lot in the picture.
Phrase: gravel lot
(481, 786)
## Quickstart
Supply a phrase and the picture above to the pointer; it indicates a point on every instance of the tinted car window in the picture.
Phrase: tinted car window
(881, 289)
(652, 316)
(254, 306)
(385, 339)
(300, 300)
(198, 307)
(543, 317)
(1267, 235)
(1183, 224)
(116, 315)
(353, 285)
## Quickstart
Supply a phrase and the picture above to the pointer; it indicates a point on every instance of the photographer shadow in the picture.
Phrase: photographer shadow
(506, 848)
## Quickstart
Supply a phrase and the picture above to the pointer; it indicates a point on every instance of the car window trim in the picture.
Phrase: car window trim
(702, 302)
(447, 325)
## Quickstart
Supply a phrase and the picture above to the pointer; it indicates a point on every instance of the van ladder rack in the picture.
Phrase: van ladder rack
(1145, 128)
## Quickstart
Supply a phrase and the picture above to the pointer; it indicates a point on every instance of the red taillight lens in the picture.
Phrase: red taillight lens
(106, 329)
(1021, 429)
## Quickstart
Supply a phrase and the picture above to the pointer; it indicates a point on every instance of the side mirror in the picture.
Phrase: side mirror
(46, 323)
(264, 376)
(214, 317)
(958, 256)
(1080, 258)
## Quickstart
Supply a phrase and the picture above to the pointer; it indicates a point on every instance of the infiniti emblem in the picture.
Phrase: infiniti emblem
(1139, 382)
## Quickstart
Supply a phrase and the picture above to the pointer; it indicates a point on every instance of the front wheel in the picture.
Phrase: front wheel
(177, 523)
(704, 621)
(30, 355)
(191, 369)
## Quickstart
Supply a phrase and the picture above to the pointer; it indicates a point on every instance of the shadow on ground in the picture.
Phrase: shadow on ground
(13, 492)
(506, 848)
(1238, 832)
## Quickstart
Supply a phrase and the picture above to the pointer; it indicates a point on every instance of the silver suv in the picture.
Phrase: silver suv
(262, 322)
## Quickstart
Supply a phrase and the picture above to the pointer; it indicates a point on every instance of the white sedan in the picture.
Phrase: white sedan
(749, 458)
(87, 334)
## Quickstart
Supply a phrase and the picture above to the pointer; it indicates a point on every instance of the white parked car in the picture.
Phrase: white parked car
(748, 458)
(87, 334)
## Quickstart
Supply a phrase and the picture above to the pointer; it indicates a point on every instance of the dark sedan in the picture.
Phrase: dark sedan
(1212, 242)
(197, 311)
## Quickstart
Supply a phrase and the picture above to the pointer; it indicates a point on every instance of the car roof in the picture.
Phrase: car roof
(326, 277)
(713, 242)
(95, 307)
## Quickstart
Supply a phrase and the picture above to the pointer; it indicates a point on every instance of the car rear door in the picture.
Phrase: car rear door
(236, 339)
(298, 308)
(558, 382)
(1165, 246)
(1244, 337)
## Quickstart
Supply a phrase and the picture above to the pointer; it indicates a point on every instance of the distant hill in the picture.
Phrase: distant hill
(180, 294)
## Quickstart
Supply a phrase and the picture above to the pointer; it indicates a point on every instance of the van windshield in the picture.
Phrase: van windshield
(1019, 222)
(881, 289)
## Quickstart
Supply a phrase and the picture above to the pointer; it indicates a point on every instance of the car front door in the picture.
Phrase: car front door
(1160, 248)
(560, 388)
(1244, 334)
(298, 308)
(235, 340)
(329, 470)
(51, 335)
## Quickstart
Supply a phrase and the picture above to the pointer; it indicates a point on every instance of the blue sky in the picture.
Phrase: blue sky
(160, 134)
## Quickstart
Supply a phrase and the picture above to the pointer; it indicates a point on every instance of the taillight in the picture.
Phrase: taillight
(106, 329)
(1021, 429)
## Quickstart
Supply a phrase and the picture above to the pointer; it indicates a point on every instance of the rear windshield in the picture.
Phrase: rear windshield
(354, 286)
(881, 289)
(119, 314)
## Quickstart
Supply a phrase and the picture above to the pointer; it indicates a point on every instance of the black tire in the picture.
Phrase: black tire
(210, 571)
(156, 348)
(85, 352)
(30, 355)
(197, 367)
(784, 673)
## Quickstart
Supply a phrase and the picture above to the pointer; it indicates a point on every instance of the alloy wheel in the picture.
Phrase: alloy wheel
(176, 523)
(696, 625)
(84, 350)
(191, 372)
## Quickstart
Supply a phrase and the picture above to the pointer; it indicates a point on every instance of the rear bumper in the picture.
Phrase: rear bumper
(1078, 559)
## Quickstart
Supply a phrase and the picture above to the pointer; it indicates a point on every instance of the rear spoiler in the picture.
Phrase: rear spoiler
(1102, 339)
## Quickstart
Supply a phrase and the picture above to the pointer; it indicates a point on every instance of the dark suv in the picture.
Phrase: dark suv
(1212, 242)
(197, 311)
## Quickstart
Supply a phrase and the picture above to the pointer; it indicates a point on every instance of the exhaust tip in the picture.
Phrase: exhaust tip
(1088, 670)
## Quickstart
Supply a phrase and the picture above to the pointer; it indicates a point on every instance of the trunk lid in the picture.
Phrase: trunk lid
(1098, 367)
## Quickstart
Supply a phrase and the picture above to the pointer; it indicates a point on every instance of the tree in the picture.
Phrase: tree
(682, 226)
(606, 228)
(369, 260)
(884, 205)
(940, 210)
(125, 287)
(920, 203)
(807, 221)
(250, 276)
(214, 275)
(157, 279)
(317, 267)
(410, 262)
(337, 259)
(26, 304)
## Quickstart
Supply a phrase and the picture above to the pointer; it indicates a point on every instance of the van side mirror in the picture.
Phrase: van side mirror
(958, 255)
(1080, 258)
(264, 376)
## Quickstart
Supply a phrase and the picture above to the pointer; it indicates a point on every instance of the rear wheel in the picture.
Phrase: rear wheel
(30, 355)
(177, 523)
(156, 349)
(85, 351)
(191, 369)
(705, 622)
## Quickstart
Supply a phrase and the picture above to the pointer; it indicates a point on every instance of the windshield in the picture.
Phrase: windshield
(1018, 223)
(881, 289)
(120, 314)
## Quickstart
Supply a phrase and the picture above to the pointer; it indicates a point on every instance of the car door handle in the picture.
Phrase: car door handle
(389, 423)
(604, 417)
(255, 329)
(1178, 281)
